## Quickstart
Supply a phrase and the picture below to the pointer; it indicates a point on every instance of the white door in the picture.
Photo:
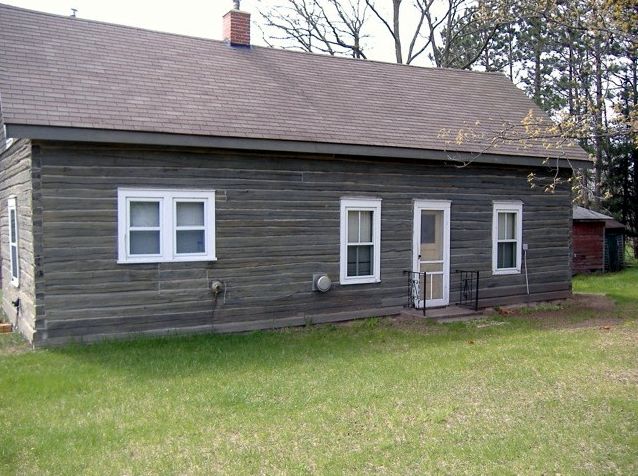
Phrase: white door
(432, 251)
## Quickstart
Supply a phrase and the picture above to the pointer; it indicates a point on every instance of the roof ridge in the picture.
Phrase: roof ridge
(390, 63)
(269, 48)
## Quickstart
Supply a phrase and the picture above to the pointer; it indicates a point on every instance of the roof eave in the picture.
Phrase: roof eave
(110, 136)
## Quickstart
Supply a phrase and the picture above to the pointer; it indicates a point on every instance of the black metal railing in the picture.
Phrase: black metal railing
(416, 289)
(468, 288)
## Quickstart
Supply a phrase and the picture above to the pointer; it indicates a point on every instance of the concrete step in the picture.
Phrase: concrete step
(445, 314)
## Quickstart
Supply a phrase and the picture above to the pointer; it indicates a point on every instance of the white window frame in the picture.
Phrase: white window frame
(8, 141)
(365, 205)
(11, 207)
(516, 207)
(167, 199)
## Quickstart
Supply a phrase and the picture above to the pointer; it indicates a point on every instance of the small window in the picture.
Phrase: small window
(507, 231)
(14, 258)
(166, 225)
(360, 241)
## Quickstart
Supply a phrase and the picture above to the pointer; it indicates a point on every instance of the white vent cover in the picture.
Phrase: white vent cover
(321, 282)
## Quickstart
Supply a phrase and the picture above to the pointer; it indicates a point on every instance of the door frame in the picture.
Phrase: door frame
(434, 205)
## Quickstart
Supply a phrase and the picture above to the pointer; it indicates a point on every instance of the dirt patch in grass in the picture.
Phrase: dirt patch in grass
(626, 376)
(577, 312)
(413, 323)
(403, 322)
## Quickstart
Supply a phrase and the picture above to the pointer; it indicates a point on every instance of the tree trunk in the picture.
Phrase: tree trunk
(634, 223)
(598, 121)
(487, 59)
(538, 65)
(570, 87)
(396, 7)
(634, 154)
(510, 52)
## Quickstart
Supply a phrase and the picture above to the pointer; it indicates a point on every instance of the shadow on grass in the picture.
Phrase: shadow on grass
(167, 357)
(157, 358)
(267, 350)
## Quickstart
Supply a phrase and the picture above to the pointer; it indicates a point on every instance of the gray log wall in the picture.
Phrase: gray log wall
(18, 175)
(277, 220)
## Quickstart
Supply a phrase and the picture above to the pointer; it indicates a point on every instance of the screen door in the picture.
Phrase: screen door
(432, 251)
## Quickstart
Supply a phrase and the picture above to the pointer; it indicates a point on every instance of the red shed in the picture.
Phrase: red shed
(593, 235)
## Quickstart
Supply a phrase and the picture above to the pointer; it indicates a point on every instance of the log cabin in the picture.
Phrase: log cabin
(157, 183)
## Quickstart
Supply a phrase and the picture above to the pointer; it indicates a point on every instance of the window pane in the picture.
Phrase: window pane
(502, 219)
(352, 260)
(144, 214)
(511, 226)
(13, 225)
(365, 229)
(359, 226)
(434, 286)
(353, 227)
(360, 260)
(365, 260)
(145, 242)
(14, 261)
(428, 226)
(506, 257)
(431, 235)
(190, 213)
(507, 226)
(191, 241)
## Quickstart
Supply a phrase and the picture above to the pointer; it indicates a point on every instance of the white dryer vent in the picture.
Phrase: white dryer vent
(321, 282)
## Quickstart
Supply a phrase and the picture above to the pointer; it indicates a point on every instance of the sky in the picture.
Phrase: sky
(201, 18)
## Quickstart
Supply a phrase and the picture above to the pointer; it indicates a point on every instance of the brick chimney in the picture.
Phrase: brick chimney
(237, 27)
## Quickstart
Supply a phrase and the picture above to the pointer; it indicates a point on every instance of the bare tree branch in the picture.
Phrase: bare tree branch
(327, 26)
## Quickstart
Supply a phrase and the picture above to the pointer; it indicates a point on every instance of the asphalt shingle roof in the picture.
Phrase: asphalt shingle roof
(581, 213)
(60, 71)
(585, 214)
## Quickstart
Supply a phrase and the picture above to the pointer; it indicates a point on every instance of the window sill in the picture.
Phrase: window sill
(364, 280)
(15, 283)
(500, 272)
(189, 259)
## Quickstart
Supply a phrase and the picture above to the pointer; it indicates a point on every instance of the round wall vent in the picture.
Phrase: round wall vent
(322, 283)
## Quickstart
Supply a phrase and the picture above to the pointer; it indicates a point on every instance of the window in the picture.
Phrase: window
(360, 241)
(14, 258)
(507, 231)
(156, 226)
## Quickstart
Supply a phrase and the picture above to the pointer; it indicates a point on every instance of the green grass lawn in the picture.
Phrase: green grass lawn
(545, 392)
(622, 287)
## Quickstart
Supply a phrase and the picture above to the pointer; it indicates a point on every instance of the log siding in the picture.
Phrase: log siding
(277, 224)
(17, 174)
